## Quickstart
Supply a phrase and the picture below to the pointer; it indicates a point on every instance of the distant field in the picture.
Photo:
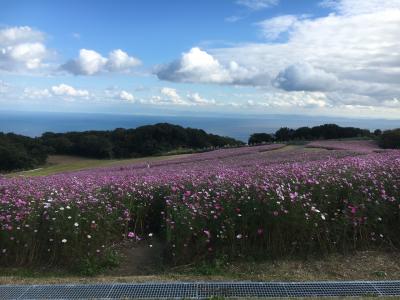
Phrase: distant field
(64, 163)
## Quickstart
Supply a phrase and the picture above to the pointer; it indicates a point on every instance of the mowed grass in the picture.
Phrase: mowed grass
(64, 163)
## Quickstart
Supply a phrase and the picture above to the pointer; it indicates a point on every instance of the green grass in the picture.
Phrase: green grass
(63, 163)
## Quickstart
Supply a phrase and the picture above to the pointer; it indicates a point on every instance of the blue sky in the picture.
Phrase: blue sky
(207, 57)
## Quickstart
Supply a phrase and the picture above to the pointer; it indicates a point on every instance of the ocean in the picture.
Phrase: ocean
(239, 127)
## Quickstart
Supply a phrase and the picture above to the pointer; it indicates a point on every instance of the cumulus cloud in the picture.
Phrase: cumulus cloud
(170, 96)
(22, 49)
(354, 52)
(173, 96)
(126, 96)
(61, 91)
(90, 62)
(199, 66)
(194, 66)
(196, 99)
(257, 4)
(304, 77)
(67, 90)
(17, 35)
(119, 60)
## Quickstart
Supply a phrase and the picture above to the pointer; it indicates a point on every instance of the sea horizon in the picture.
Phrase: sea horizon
(35, 123)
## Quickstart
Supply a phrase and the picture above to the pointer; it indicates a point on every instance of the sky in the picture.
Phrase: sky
(310, 57)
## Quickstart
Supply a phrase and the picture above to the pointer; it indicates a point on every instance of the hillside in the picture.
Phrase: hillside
(19, 152)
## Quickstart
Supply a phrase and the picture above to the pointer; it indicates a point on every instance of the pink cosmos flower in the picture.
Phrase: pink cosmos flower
(207, 233)
(353, 209)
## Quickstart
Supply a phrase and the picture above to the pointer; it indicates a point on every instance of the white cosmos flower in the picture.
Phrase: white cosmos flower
(64, 241)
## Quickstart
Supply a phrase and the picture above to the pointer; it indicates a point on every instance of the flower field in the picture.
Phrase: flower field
(251, 201)
(361, 146)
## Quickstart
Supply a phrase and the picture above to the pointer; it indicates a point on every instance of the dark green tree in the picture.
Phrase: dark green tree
(284, 134)
(258, 138)
(390, 139)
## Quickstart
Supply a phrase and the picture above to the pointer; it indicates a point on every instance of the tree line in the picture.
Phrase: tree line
(21, 152)
(18, 152)
(387, 139)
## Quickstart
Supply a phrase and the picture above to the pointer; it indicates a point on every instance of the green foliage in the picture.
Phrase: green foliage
(390, 139)
(258, 138)
(92, 265)
(324, 132)
(128, 143)
(20, 152)
(284, 134)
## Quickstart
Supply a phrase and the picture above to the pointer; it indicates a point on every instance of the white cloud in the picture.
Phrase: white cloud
(272, 28)
(4, 87)
(120, 61)
(257, 4)
(172, 96)
(16, 35)
(199, 66)
(195, 66)
(67, 90)
(22, 49)
(354, 55)
(292, 100)
(35, 93)
(196, 99)
(304, 77)
(90, 62)
(124, 95)
(356, 7)
(395, 102)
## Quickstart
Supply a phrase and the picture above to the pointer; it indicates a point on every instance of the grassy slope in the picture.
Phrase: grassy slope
(367, 265)
(63, 163)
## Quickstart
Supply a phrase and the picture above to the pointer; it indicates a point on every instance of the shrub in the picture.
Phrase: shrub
(258, 138)
(390, 139)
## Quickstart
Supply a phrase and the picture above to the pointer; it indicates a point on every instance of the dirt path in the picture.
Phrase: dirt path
(139, 259)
